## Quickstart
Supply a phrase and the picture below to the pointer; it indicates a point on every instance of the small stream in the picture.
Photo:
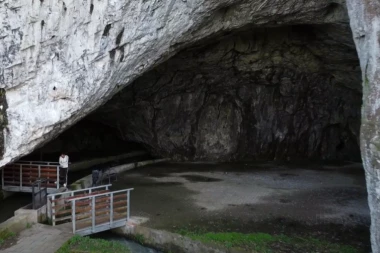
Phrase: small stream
(12, 203)
(133, 246)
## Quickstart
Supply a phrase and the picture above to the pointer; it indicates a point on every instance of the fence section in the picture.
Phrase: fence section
(59, 205)
(100, 212)
(20, 177)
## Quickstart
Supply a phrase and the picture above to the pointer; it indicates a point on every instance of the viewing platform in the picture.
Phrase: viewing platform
(22, 175)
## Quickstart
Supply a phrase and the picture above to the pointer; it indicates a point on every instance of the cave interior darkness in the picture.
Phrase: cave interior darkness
(280, 93)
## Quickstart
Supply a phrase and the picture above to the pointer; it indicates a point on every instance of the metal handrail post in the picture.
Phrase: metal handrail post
(93, 214)
(128, 206)
(111, 210)
(40, 191)
(57, 177)
(39, 171)
(73, 214)
(20, 177)
(33, 198)
(53, 210)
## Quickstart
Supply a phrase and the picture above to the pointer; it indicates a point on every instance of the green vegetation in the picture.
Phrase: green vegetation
(266, 243)
(6, 234)
(28, 225)
(88, 245)
(139, 238)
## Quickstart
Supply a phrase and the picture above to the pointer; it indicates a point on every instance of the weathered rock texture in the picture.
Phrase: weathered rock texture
(60, 60)
(279, 93)
(365, 24)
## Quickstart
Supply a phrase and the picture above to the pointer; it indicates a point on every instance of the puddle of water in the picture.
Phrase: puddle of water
(288, 175)
(196, 178)
(159, 175)
(156, 184)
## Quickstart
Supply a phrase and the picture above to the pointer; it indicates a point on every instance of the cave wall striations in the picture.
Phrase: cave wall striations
(278, 93)
(3, 120)
(365, 24)
(60, 60)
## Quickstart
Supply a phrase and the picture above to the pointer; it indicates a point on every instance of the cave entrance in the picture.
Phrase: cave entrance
(86, 140)
(284, 94)
(90, 145)
(288, 93)
(279, 93)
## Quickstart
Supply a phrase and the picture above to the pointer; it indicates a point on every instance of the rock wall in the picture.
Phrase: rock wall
(60, 60)
(365, 24)
(3, 120)
(277, 93)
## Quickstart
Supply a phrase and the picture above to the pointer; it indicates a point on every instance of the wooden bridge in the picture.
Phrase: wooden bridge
(20, 176)
(90, 210)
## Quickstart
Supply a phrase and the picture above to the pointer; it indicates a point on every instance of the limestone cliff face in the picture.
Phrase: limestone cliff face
(60, 60)
(365, 24)
(277, 93)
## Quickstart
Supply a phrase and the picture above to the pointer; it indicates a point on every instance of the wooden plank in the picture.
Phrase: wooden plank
(118, 211)
(67, 218)
(85, 202)
(63, 212)
(89, 194)
(101, 206)
(59, 207)
(98, 221)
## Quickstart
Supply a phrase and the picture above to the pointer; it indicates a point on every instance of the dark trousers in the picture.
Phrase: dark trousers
(63, 175)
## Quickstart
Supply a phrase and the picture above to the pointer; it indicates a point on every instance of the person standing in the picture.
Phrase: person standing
(63, 168)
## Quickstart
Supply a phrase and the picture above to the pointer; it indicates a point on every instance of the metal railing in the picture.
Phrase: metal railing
(21, 176)
(109, 174)
(39, 193)
(100, 212)
(59, 209)
(36, 162)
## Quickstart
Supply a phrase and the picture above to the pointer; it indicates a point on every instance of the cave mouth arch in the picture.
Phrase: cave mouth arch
(289, 94)
(279, 93)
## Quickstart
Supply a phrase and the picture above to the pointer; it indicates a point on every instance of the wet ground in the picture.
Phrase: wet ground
(321, 201)
(132, 246)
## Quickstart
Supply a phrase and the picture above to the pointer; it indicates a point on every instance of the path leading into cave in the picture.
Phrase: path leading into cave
(40, 238)
(327, 202)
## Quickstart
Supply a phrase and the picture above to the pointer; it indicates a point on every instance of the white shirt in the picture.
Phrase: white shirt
(64, 161)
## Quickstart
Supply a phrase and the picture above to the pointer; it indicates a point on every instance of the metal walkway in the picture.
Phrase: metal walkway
(90, 210)
(20, 176)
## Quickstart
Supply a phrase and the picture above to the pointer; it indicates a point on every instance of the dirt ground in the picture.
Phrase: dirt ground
(326, 202)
